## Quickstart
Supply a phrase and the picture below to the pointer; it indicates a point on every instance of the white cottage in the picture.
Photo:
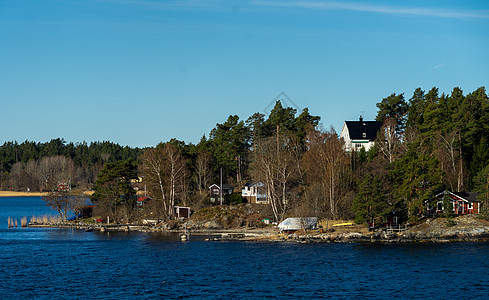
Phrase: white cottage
(255, 192)
(359, 134)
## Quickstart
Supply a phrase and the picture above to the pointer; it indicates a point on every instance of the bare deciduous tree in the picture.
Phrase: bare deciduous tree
(389, 140)
(203, 170)
(273, 164)
(55, 168)
(326, 162)
(451, 161)
(165, 173)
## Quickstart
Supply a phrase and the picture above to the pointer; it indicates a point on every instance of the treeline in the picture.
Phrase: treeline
(265, 148)
(33, 166)
(427, 143)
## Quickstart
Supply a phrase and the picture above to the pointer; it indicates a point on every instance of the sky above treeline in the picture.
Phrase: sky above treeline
(138, 73)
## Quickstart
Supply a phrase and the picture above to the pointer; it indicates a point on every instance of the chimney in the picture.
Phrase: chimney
(361, 119)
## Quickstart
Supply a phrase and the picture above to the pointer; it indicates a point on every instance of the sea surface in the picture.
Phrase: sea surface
(40, 263)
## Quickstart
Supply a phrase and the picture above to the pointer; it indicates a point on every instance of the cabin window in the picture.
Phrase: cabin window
(471, 205)
(440, 206)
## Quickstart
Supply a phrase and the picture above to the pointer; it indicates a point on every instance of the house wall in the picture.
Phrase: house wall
(358, 144)
(456, 204)
(254, 194)
(346, 137)
(354, 145)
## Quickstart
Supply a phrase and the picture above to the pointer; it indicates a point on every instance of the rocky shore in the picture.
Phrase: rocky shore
(464, 228)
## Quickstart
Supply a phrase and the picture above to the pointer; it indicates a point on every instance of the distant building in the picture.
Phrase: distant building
(215, 191)
(360, 134)
(462, 203)
(181, 212)
(255, 192)
(142, 200)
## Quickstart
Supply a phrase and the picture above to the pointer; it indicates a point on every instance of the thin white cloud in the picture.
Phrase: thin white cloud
(362, 7)
(438, 66)
(220, 5)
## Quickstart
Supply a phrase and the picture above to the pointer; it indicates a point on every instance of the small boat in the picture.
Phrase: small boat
(89, 229)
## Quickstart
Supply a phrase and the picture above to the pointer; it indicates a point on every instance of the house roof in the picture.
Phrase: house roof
(143, 198)
(252, 183)
(469, 196)
(363, 130)
(225, 186)
(465, 196)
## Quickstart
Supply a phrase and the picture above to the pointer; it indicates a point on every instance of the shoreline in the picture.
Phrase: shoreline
(305, 237)
(22, 194)
(31, 194)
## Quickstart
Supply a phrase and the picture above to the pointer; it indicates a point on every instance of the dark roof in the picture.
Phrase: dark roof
(252, 183)
(356, 129)
(225, 186)
(469, 196)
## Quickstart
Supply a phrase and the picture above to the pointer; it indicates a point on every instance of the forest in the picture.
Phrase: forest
(427, 143)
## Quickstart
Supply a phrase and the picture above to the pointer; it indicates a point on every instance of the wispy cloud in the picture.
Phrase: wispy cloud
(363, 6)
(438, 66)
(381, 9)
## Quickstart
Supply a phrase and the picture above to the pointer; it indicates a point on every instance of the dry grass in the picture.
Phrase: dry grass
(45, 220)
(20, 194)
(33, 194)
(328, 224)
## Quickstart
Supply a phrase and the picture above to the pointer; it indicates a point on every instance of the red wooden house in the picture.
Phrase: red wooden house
(463, 203)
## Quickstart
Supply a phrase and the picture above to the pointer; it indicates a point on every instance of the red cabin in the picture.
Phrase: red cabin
(463, 203)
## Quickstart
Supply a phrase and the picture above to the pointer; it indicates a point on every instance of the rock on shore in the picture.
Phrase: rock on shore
(463, 228)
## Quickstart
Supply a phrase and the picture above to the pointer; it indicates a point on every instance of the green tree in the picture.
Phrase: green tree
(370, 201)
(393, 107)
(304, 124)
(230, 143)
(417, 178)
(280, 120)
(113, 191)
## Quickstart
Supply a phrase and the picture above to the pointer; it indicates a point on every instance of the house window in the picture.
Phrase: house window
(364, 135)
(440, 206)
(471, 205)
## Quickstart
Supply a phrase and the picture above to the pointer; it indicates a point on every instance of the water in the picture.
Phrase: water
(64, 263)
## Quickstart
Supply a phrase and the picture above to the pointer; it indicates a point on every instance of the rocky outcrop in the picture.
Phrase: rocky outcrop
(226, 217)
(464, 228)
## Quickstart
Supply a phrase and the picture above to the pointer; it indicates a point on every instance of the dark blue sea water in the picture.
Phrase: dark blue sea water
(64, 263)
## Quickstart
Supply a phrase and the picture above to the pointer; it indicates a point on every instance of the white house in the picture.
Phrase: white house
(358, 134)
(255, 192)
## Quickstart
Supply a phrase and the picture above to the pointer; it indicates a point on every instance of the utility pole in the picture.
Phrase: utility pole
(220, 189)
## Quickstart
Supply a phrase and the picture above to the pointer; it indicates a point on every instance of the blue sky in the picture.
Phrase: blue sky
(141, 72)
